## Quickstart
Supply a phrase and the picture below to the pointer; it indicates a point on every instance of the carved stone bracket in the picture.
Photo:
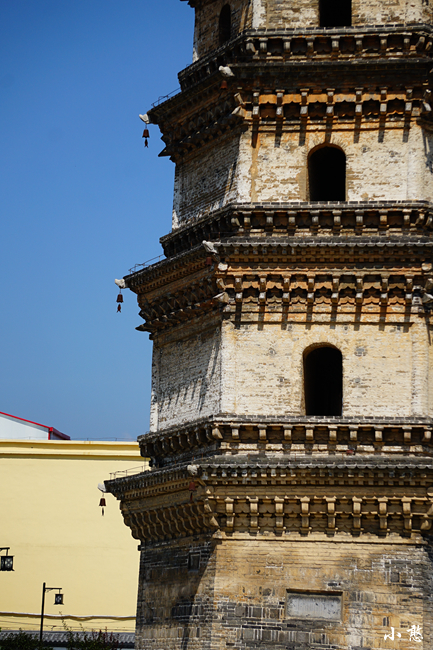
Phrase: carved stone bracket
(287, 435)
(299, 219)
(301, 497)
(313, 44)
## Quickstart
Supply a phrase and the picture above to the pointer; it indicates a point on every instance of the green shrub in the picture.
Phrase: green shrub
(21, 641)
(75, 641)
(92, 640)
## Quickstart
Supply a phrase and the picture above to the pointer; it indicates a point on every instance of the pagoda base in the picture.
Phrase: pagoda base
(285, 592)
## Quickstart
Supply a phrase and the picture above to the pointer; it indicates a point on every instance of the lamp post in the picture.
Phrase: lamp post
(58, 600)
(6, 561)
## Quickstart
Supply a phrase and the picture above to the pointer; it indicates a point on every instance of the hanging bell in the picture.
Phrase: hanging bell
(146, 133)
(192, 488)
(223, 84)
(119, 300)
(102, 504)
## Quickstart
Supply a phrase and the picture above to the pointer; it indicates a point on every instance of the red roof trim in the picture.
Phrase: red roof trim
(51, 430)
(57, 433)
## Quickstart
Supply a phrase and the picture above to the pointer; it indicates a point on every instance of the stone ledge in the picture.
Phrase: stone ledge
(317, 41)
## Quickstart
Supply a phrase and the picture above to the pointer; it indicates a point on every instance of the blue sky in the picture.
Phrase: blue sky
(82, 201)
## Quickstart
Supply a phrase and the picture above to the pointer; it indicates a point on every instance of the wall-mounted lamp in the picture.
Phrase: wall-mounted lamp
(58, 600)
(6, 561)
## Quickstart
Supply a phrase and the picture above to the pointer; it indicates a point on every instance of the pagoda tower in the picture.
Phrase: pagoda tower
(290, 500)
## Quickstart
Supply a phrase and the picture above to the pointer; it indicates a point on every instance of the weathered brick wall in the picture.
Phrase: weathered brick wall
(289, 15)
(237, 599)
(386, 164)
(259, 370)
(206, 181)
(374, 12)
(274, 14)
(385, 368)
(377, 167)
(206, 30)
(186, 378)
(176, 595)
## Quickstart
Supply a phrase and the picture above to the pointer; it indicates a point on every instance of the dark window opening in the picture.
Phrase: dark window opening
(225, 24)
(323, 381)
(193, 561)
(335, 13)
(327, 174)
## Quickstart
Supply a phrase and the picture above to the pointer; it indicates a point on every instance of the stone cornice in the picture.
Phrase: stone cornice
(326, 252)
(401, 470)
(287, 436)
(289, 76)
(286, 274)
(150, 277)
(300, 219)
(290, 225)
(258, 98)
(381, 41)
(302, 496)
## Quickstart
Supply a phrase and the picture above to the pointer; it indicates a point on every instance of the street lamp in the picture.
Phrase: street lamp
(58, 600)
(6, 561)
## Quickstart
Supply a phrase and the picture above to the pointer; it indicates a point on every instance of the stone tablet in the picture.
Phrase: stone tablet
(314, 605)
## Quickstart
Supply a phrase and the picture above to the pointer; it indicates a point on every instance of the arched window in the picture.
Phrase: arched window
(323, 381)
(327, 174)
(225, 24)
(335, 13)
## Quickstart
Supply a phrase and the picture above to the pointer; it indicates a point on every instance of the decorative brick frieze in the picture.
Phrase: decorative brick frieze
(187, 287)
(413, 218)
(372, 43)
(302, 495)
(187, 128)
(287, 435)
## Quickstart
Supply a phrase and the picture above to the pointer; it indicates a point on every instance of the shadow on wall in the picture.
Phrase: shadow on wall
(208, 182)
(176, 591)
(187, 376)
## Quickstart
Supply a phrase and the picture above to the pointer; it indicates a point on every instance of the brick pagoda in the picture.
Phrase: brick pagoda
(290, 501)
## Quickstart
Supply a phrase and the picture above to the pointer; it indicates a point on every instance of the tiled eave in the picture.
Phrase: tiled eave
(301, 218)
(277, 44)
(238, 467)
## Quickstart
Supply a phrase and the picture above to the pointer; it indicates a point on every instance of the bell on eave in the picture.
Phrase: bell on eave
(102, 504)
(223, 84)
(192, 488)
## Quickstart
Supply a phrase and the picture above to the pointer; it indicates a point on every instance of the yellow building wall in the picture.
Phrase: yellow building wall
(51, 519)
